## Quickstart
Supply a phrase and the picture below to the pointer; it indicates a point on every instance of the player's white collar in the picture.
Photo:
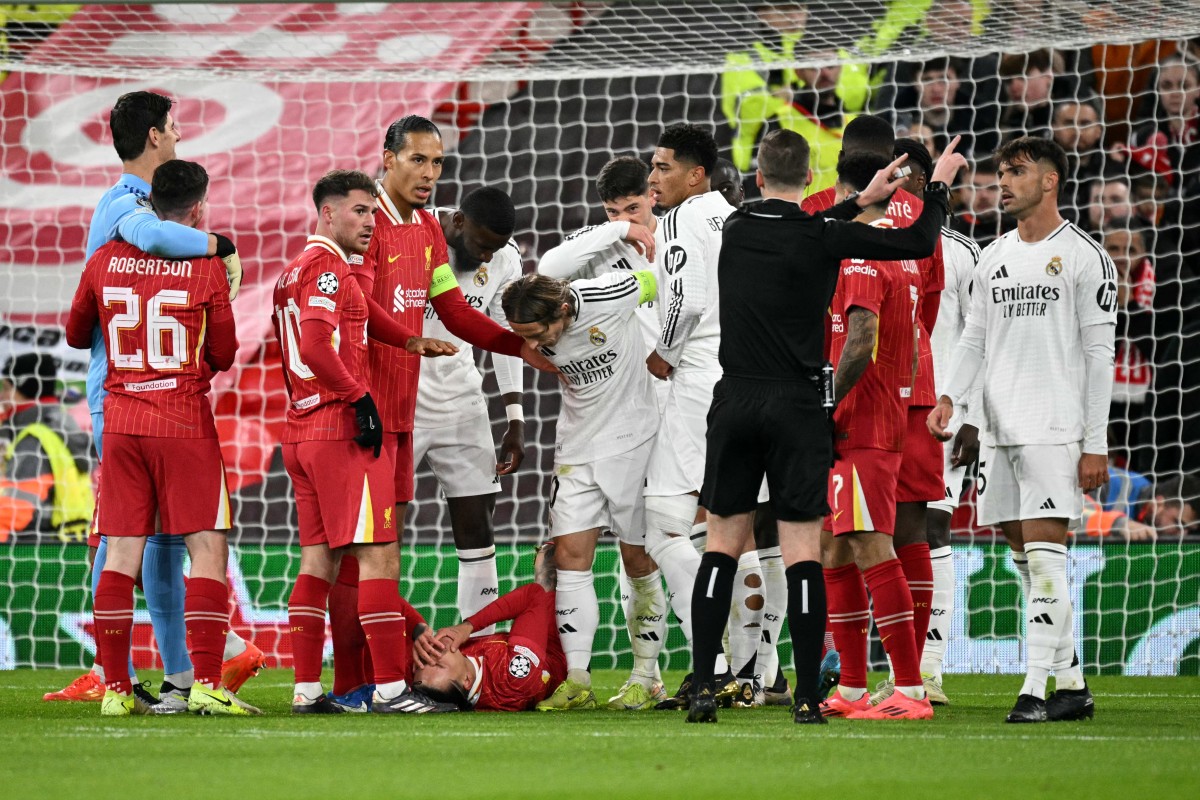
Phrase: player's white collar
(477, 686)
(327, 244)
(389, 208)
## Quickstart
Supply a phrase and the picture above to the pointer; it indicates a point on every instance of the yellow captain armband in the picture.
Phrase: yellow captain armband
(647, 285)
(441, 281)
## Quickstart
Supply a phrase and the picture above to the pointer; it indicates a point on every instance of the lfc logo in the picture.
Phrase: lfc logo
(481, 276)
(429, 258)
(387, 518)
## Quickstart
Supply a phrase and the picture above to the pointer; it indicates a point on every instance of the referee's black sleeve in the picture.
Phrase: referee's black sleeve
(858, 240)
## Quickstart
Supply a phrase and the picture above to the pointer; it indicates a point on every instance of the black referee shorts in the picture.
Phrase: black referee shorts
(772, 427)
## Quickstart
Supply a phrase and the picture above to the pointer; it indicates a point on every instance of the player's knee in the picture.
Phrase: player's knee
(378, 561)
(667, 517)
(209, 553)
(937, 528)
(575, 551)
(638, 563)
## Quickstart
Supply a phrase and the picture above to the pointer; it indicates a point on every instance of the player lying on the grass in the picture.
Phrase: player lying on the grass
(163, 462)
(604, 434)
(503, 672)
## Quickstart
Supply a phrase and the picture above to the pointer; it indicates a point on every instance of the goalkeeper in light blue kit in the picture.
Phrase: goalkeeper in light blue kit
(145, 134)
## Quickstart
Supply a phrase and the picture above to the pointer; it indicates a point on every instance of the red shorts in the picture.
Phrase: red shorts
(399, 448)
(862, 491)
(343, 493)
(921, 479)
(179, 481)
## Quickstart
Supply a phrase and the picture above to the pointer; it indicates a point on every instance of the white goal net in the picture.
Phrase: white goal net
(534, 98)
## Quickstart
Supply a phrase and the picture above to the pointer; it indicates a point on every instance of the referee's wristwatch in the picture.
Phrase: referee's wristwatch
(939, 192)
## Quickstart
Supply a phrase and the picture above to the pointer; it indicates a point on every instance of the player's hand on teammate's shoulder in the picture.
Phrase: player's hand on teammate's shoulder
(454, 637)
(512, 448)
(429, 348)
(658, 366)
(1093, 471)
(939, 418)
(640, 237)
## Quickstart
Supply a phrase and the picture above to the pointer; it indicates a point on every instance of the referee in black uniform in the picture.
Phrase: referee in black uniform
(776, 274)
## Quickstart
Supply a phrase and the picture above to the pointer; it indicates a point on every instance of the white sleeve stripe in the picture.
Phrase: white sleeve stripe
(611, 293)
(965, 241)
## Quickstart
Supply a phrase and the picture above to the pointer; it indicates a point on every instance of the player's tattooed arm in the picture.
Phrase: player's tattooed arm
(863, 327)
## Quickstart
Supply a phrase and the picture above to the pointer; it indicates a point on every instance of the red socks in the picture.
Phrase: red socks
(849, 622)
(113, 612)
(379, 611)
(306, 616)
(350, 655)
(206, 613)
(918, 571)
(893, 606)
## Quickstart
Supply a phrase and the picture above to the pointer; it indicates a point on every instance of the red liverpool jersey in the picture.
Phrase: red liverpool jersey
(396, 272)
(875, 412)
(903, 210)
(318, 285)
(515, 677)
(167, 325)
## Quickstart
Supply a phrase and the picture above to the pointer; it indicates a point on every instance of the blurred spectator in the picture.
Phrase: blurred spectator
(1132, 508)
(923, 134)
(1167, 143)
(1076, 127)
(977, 212)
(1119, 73)
(1107, 199)
(1134, 373)
(935, 102)
(1028, 81)
(45, 483)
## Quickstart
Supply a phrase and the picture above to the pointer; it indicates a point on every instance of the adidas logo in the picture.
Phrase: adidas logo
(1000, 273)
(933, 636)
(1043, 619)
(1049, 504)
(566, 629)
(651, 636)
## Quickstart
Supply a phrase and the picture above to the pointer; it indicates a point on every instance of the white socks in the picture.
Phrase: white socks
(646, 618)
(578, 613)
(1048, 613)
(181, 680)
(700, 536)
(745, 616)
(478, 583)
(775, 592)
(234, 645)
(941, 612)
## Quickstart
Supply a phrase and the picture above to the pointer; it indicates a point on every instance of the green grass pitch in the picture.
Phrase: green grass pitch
(1144, 742)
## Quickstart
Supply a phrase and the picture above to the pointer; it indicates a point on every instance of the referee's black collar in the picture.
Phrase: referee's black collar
(774, 207)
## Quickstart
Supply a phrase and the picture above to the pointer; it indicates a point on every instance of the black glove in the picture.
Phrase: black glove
(370, 426)
(225, 247)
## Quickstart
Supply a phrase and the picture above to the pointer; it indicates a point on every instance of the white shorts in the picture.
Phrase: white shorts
(677, 463)
(462, 456)
(605, 494)
(1029, 482)
(952, 478)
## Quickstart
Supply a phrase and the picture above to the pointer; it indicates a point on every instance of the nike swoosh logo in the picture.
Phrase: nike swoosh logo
(226, 703)
(392, 259)
(837, 514)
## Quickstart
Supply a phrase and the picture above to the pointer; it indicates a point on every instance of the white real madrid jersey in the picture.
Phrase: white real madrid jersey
(598, 250)
(450, 388)
(608, 403)
(960, 254)
(1030, 302)
(687, 259)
